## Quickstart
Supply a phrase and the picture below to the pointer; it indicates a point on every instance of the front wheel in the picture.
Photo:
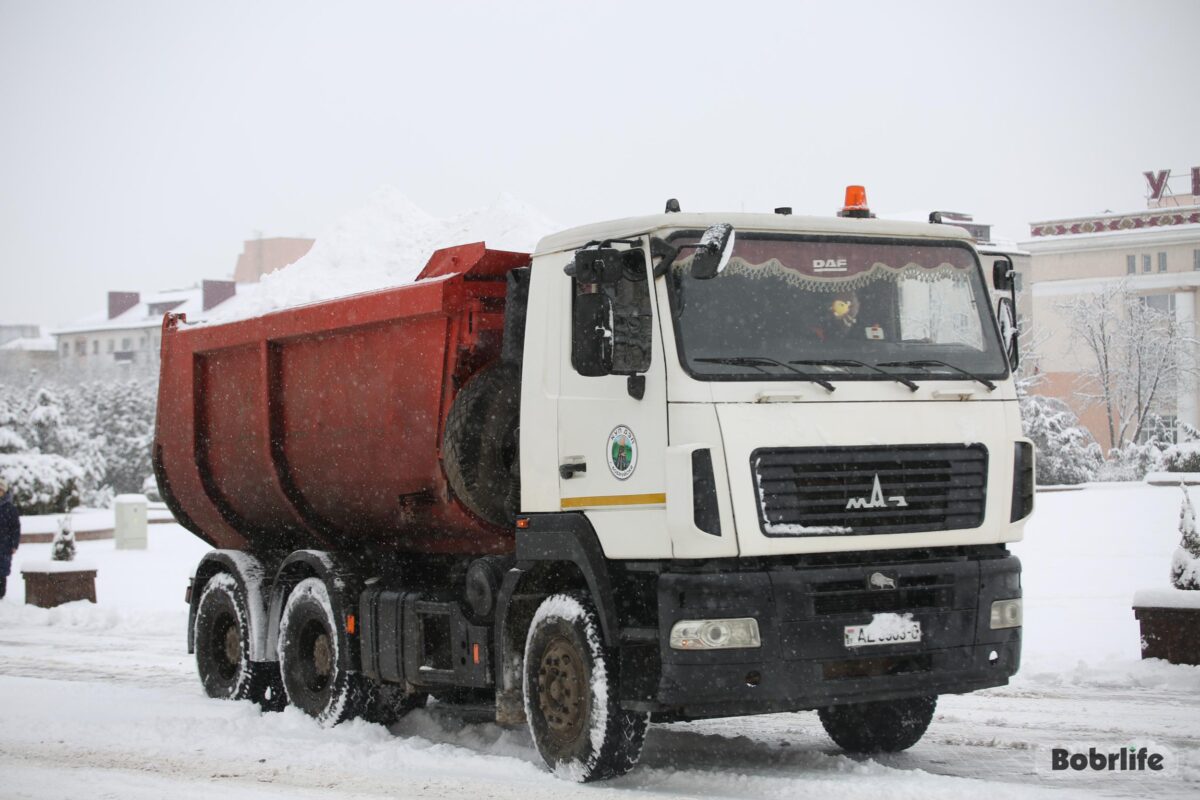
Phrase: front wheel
(886, 726)
(571, 695)
(310, 657)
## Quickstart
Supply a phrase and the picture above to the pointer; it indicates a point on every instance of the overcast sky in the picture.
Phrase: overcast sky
(142, 142)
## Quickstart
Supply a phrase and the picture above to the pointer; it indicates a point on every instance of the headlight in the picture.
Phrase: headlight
(1006, 614)
(715, 634)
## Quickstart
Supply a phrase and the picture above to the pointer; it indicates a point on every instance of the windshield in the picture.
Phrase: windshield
(837, 308)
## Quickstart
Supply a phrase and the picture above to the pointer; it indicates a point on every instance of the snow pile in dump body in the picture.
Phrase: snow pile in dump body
(384, 243)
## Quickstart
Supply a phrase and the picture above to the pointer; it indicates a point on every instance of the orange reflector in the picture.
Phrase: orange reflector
(522, 522)
(351, 624)
(856, 198)
(475, 652)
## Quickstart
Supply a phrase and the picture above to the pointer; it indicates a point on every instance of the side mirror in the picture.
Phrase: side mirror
(1006, 317)
(713, 251)
(597, 266)
(592, 334)
(1002, 275)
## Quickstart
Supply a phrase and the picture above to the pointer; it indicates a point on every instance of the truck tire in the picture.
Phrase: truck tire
(310, 644)
(479, 447)
(886, 726)
(221, 641)
(570, 692)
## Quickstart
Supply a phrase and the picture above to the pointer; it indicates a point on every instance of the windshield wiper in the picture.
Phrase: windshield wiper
(850, 362)
(931, 363)
(758, 362)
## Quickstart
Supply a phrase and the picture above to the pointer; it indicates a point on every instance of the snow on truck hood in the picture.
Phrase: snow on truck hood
(384, 243)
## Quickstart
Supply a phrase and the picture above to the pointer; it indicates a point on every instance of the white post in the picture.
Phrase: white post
(130, 529)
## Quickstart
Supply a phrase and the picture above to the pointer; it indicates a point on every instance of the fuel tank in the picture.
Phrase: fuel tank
(321, 426)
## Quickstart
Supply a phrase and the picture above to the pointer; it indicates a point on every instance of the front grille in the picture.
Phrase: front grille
(860, 490)
(911, 592)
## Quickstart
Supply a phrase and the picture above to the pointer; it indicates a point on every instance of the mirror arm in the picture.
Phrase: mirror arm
(668, 254)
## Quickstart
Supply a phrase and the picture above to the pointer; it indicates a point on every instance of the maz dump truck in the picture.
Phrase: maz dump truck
(665, 468)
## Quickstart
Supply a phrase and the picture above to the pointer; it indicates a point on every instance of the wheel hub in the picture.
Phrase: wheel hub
(233, 645)
(322, 655)
(561, 689)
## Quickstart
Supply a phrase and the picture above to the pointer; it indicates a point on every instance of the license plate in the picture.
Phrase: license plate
(883, 629)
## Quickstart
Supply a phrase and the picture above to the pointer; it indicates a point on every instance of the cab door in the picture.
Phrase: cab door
(612, 427)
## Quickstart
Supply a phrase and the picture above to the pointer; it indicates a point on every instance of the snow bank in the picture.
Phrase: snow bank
(384, 243)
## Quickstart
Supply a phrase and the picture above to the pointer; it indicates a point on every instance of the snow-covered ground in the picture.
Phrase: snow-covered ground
(102, 701)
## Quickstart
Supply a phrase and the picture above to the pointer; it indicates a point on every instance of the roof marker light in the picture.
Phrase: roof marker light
(856, 203)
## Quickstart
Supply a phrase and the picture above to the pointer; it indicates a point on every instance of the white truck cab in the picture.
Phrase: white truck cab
(862, 355)
(781, 456)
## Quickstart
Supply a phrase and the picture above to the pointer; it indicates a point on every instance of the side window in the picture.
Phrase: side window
(612, 323)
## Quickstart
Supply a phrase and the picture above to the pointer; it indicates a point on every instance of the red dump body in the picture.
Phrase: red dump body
(321, 426)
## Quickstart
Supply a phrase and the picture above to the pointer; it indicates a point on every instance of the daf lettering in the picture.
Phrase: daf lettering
(829, 265)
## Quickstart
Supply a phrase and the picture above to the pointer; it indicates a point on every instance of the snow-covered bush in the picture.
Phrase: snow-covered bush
(1185, 564)
(104, 427)
(11, 439)
(63, 548)
(1066, 451)
(1184, 457)
(41, 483)
(1131, 462)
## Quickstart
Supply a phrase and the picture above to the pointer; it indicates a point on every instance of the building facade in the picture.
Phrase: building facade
(1153, 254)
(263, 256)
(127, 337)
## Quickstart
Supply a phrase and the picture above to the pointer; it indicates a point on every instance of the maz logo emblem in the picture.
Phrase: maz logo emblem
(876, 500)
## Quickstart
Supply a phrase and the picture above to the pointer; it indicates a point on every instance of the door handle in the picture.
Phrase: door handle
(568, 470)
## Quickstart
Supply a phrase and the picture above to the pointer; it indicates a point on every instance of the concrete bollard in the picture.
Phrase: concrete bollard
(130, 529)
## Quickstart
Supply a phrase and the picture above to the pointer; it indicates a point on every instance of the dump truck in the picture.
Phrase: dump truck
(666, 468)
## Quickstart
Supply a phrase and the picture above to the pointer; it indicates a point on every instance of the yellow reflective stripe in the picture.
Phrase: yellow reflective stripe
(615, 500)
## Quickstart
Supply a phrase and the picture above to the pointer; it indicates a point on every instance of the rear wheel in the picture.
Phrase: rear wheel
(571, 694)
(222, 646)
(310, 647)
(886, 726)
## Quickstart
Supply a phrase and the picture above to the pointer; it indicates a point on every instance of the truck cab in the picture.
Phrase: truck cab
(807, 458)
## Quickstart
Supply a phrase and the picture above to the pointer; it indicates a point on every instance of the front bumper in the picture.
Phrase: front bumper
(804, 662)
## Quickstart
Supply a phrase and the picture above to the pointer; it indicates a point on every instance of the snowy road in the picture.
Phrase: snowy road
(102, 701)
(118, 713)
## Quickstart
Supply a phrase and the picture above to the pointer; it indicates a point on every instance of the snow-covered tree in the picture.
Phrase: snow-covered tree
(102, 430)
(64, 540)
(1066, 451)
(1137, 356)
(120, 416)
(1185, 564)
(47, 420)
(11, 440)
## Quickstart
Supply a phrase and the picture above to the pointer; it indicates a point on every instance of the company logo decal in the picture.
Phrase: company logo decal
(622, 452)
(877, 500)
